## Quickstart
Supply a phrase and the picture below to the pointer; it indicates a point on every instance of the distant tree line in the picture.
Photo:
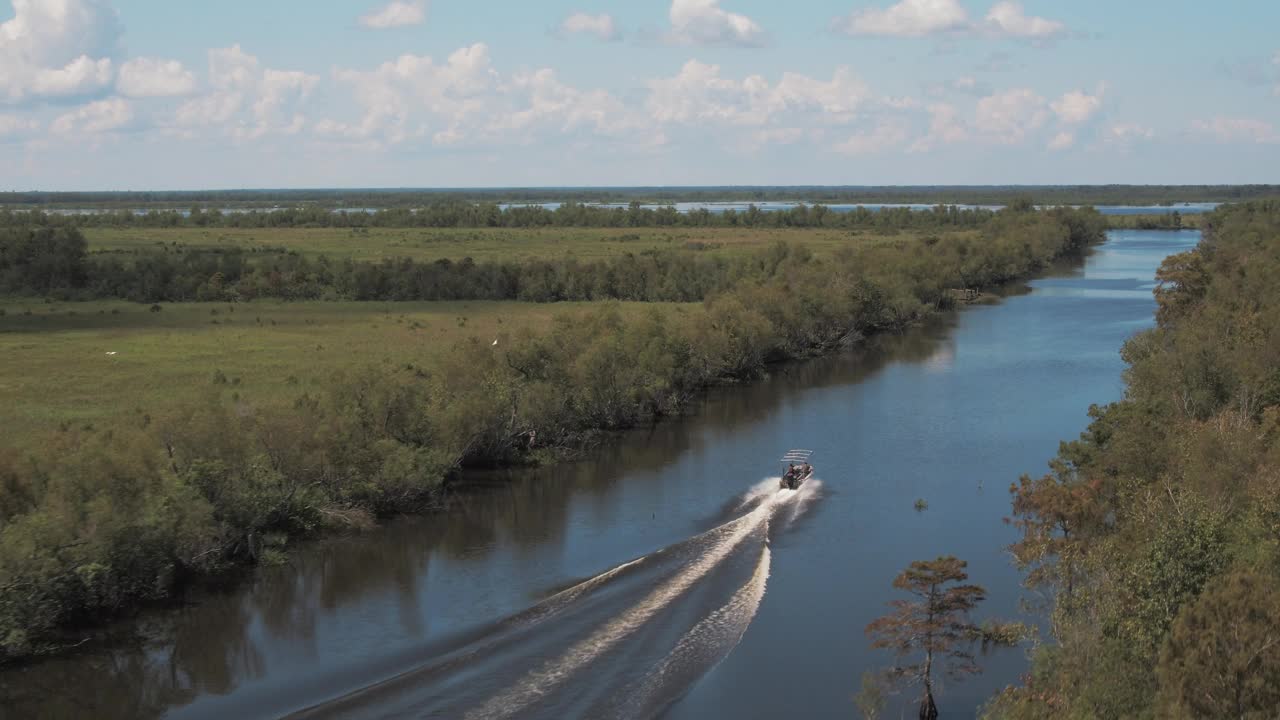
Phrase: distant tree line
(457, 214)
(36, 259)
(96, 520)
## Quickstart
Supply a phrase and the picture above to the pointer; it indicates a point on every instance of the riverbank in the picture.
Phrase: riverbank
(100, 520)
(1157, 533)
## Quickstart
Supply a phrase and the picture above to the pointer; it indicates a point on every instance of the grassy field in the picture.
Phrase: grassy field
(513, 244)
(55, 367)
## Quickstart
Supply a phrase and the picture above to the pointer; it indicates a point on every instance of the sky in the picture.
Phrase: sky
(191, 94)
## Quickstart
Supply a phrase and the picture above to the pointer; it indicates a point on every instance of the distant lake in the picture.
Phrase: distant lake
(720, 207)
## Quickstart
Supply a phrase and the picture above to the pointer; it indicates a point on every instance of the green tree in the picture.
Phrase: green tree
(935, 626)
(1222, 657)
(871, 698)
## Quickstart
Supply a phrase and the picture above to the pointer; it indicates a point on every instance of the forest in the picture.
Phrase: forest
(98, 519)
(1155, 539)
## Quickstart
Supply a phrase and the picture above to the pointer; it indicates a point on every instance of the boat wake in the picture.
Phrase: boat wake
(624, 644)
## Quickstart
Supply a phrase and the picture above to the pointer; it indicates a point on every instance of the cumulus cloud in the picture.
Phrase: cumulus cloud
(1276, 62)
(1009, 116)
(149, 77)
(95, 118)
(698, 94)
(1007, 18)
(465, 101)
(908, 18)
(443, 95)
(14, 126)
(945, 128)
(1238, 130)
(247, 100)
(1077, 106)
(601, 26)
(704, 22)
(920, 18)
(886, 136)
(57, 49)
(1062, 141)
(399, 13)
(1125, 133)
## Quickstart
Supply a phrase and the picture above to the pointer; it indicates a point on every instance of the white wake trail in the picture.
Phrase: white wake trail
(538, 683)
(704, 646)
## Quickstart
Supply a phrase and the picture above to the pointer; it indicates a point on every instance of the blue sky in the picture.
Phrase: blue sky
(160, 94)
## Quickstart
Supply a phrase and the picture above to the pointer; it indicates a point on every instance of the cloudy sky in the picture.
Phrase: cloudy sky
(167, 94)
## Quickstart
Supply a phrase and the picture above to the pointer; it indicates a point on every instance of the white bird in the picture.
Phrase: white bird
(112, 352)
(495, 342)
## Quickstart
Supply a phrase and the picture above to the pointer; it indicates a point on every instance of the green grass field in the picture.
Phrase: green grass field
(55, 367)
(513, 244)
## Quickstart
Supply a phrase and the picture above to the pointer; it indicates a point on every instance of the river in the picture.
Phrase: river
(664, 574)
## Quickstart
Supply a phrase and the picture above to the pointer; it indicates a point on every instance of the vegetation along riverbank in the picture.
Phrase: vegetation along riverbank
(102, 510)
(1156, 537)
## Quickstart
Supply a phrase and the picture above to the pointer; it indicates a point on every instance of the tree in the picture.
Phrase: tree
(1052, 513)
(870, 699)
(1222, 657)
(936, 624)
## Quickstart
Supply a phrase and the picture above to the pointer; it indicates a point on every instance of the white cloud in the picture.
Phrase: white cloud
(1238, 129)
(149, 77)
(1077, 107)
(945, 128)
(704, 22)
(57, 49)
(1276, 61)
(82, 76)
(1062, 141)
(602, 26)
(886, 136)
(699, 95)
(1007, 18)
(399, 13)
(920, 18)
(1009, 116)
(781, 136)
(908, 18)
(95, 118)
(247, 100)
(13, 125)
(1124, 133)
(465, 101)
(441, 95)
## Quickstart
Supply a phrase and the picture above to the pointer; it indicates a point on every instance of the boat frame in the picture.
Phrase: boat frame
(801, 457)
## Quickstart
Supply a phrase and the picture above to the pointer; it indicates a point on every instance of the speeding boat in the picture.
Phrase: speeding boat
(798, 469)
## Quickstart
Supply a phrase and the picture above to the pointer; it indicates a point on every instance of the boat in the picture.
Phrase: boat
(798, 469)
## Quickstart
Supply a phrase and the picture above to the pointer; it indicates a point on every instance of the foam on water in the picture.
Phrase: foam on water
(646, 630)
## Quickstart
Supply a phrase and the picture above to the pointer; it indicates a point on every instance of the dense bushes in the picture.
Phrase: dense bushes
(92, 522)
(650, 276)
(37, 259)
(1170, 504)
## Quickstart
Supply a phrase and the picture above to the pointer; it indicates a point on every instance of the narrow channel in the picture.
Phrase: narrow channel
(665, 574)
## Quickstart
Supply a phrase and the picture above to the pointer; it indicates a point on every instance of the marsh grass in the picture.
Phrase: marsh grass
(55, 371)
(480, 244)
